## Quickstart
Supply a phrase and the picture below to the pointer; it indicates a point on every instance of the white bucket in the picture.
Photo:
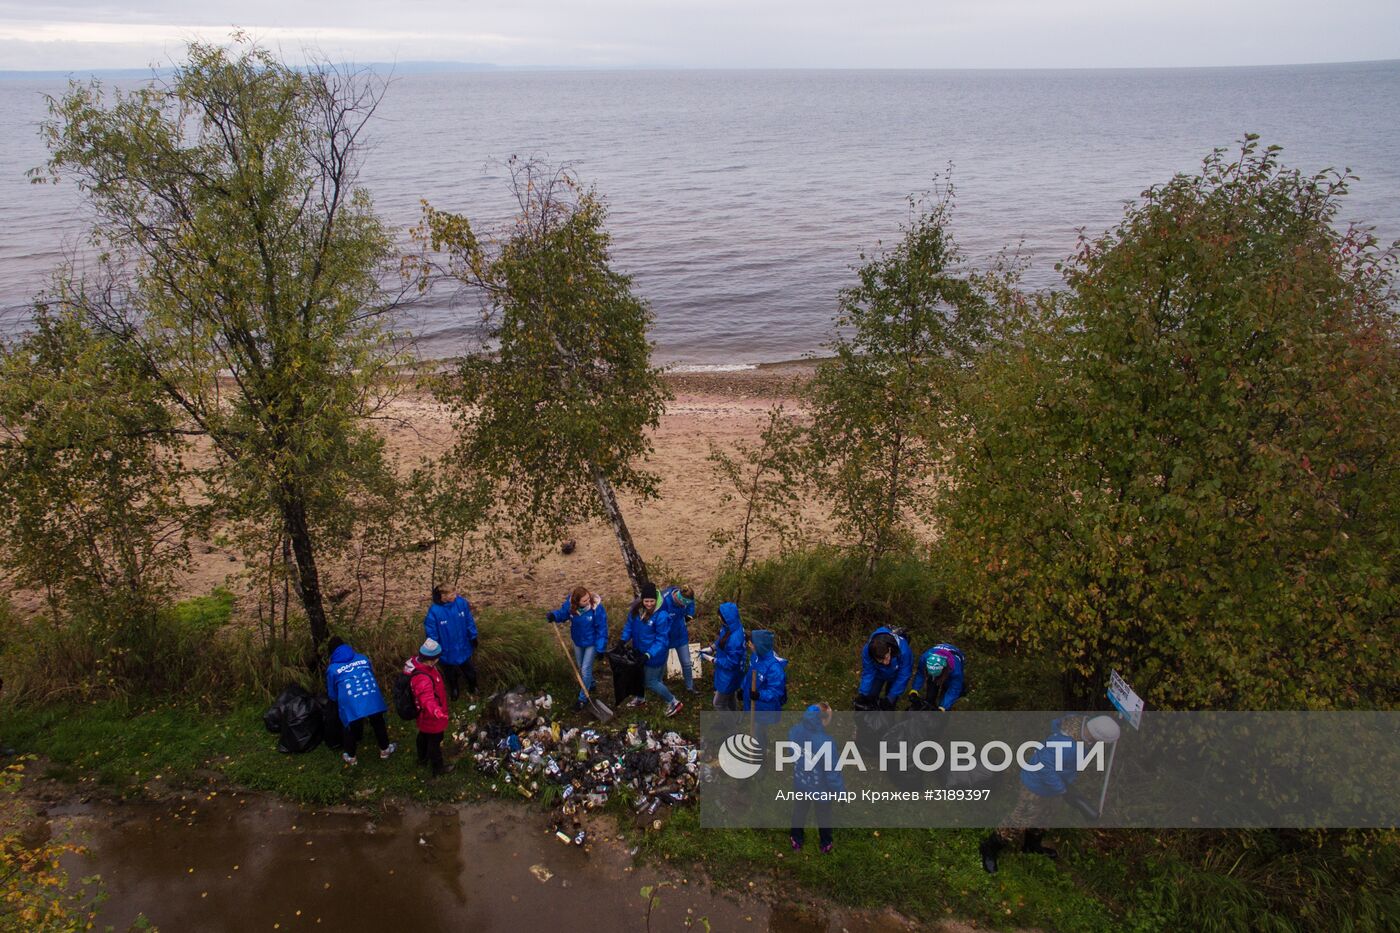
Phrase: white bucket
(673, 662)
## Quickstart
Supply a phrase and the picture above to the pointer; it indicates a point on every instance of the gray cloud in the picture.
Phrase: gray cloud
(719, 33)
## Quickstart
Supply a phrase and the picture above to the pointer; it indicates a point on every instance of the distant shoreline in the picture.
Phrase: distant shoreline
(778, 378)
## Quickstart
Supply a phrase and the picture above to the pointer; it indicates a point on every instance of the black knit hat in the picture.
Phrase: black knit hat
(648, 590)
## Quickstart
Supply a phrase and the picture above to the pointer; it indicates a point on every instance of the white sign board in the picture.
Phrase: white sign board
(1125, 700)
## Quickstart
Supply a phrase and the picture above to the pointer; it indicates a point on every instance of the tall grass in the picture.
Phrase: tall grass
(87, 655)
(193, 652)
(825, 592)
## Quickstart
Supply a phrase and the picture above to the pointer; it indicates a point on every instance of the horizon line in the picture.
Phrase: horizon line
(446, 65)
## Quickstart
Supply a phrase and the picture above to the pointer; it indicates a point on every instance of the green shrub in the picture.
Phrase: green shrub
(1184, 467)
(826, 592)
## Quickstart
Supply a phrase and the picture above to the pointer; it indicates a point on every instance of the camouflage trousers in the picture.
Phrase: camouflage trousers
(1030, 812)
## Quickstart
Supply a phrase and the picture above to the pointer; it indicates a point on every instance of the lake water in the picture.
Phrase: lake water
(740, 199)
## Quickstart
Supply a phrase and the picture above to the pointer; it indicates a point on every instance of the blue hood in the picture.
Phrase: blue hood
(729, 614)
(762, 642)
(809, 727)
(341, 654)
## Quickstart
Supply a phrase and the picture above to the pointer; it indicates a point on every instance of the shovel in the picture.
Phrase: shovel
(598, 708)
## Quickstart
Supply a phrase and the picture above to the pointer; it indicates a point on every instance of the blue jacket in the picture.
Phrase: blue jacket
(811, 738)
(896, 673)
(350, 683)
(952, 686)
(1048, 781)
(651, 636)
(586, 628)
(729, 650)
(453, 626)
(765, 685)
(680, 611)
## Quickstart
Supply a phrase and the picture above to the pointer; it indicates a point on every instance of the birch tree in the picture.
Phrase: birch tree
(553, 414)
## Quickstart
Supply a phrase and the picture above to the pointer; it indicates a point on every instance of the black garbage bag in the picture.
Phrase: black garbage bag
(870, 728)
(912, 729)
(332, 733)
(629, 679)
(272, 719)
(301, 720)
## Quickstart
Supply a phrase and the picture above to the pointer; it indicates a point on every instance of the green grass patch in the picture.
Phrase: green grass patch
(210, 734)
(928, 874)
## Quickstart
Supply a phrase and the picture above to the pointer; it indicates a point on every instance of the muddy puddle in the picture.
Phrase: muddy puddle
(235, 862)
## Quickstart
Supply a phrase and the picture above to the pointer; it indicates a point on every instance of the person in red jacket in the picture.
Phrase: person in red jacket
(430, 693)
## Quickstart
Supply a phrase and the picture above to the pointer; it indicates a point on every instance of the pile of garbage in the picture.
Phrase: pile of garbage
(579, 768)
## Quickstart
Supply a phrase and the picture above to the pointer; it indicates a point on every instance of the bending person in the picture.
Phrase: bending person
(1056, 768)
(886, 665)
(350, 683)
(938, 678)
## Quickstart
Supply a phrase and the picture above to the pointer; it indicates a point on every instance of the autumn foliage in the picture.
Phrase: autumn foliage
(1185, 467)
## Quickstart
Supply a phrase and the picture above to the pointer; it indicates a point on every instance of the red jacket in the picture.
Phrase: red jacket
(431, 694)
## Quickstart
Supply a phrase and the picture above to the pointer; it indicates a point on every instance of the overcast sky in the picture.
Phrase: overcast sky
(84, 34)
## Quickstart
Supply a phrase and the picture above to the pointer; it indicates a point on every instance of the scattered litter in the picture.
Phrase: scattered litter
(578, 770)
(541, 873)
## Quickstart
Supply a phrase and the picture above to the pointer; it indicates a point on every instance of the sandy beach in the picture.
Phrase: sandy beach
(673, 531)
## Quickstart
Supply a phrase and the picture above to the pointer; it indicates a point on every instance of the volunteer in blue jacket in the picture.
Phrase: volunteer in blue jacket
(727, 656)
(765, 684)
(1043, 783)
(886, 665)
(588, 629)
(450, 623)
(938, 678)
(649, 629)
(679, 603)
(815, 778)
(350, 683)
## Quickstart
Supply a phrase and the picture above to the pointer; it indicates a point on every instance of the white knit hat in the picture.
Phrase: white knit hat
(1102, 729)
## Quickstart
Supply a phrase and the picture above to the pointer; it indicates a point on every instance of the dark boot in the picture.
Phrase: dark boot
(989, 849)
(1030, 843)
